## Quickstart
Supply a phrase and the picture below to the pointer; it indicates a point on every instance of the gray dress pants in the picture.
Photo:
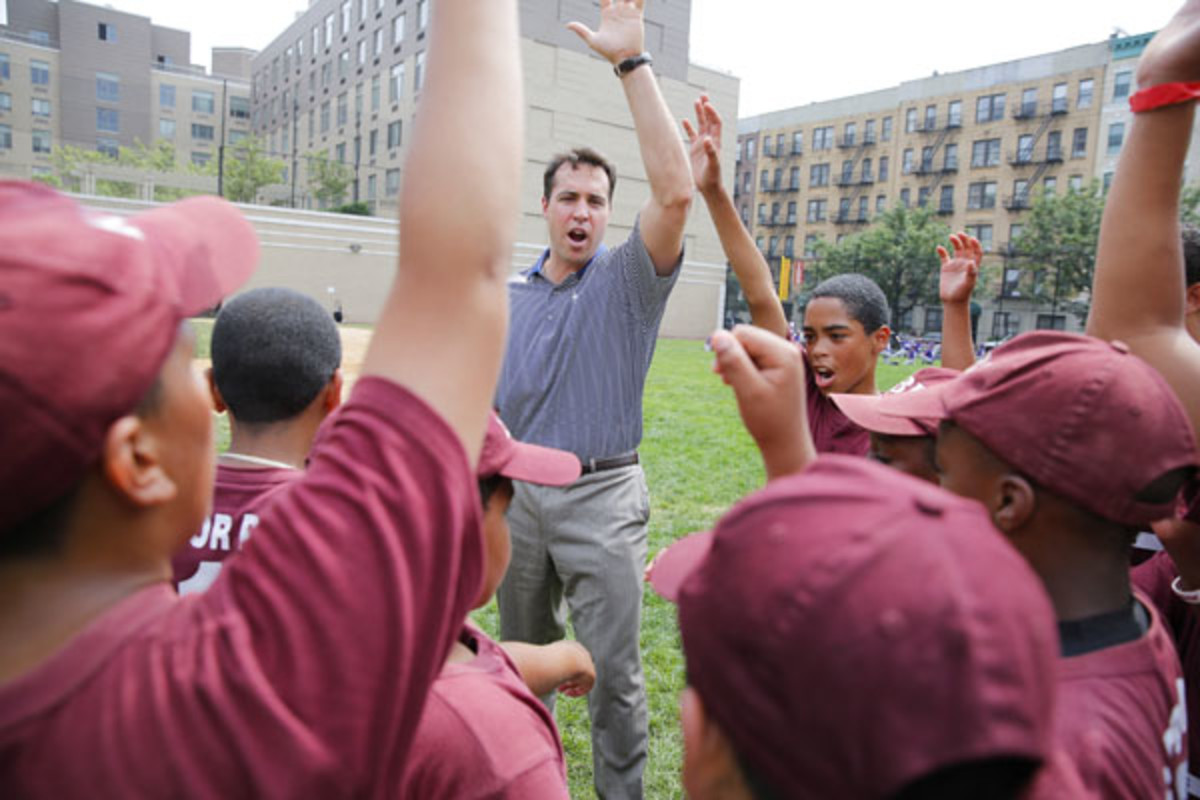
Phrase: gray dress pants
(585, 544)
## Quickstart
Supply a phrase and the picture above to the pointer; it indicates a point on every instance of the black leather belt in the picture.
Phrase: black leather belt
(601, 464)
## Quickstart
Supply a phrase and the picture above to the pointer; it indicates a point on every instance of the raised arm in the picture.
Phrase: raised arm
(1138, 290)
(622, 36)
(564, 666)
(955, 284)
(766, 373)
(444, 323)
(748, 263)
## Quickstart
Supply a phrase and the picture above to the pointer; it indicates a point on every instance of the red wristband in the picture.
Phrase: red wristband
(1164, 94)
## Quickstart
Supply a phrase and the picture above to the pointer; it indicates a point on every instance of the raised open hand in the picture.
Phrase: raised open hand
(959, 273)
(1174, 52)
(704, 145)
(622, 33)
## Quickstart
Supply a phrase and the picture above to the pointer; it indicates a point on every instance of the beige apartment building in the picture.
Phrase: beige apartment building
(976, 146)
(88, 76)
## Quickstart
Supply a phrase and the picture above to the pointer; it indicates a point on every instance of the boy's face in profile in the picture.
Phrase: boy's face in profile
(497, 546)
(841, 354)
(912, 455)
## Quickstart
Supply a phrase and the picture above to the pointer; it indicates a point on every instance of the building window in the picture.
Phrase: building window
(41, 107)
(880, 203)
(378, 42)
(1079, 143)
(422, 14)
(1108, 178)
(798, 143)
(1050, 185)
(106, 31)
(886, 135)
(41, 141)
(1020, 193)
(981, 195)
(816, 210)
(789, 247)
(989, 108)
(1058, 102)
(906, 197)
(1025, 148)
(910, 120)
(391, 182)
(202, 102)
(810, 245)
(1074, 183)
(794, 178)
(240, 136)
(1006, 324)
(362, 52)
(398, 29)
(954, 114)
(933, 320)
(343, 64)
(922, 196)
(371, 187)
(5, 137)
(984, 234)
(419, 72)
(762, 214)
(751, 145)
(946, 203)
(1051, 322)
(1116, 137)
(325, 117)
(396, 83)
(791, 212)
(1086, 88)
(394, 133)
(342, 109)
(1121, 85)
(1054, 146)
(374, 92)
(329, 23)
(239, 107)
(339, 153)
(950, 157)
(326, 74)
(5, 101)
(823, 138)
(4, 66)
(906, 163)
(201, 159)
(202, 132)
(312, 124)
(930, 118)
(985, 153)
(107, 119)
(109, 147)
(346, 16)
(818, 175)
(316, 39)
(39, 73)
(849, 134)
(883, 168)
(372, 142)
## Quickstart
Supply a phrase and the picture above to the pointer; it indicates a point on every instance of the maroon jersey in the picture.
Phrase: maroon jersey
(484, 734)
(1121, 717)
(304, 669)
(832, 431)
(238, 497)
(1153, 578)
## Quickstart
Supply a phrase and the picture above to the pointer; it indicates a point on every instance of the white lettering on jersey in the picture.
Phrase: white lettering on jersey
(249, 523)
(203, 577)
(1173, 740)
(201, 538)
(221, 523)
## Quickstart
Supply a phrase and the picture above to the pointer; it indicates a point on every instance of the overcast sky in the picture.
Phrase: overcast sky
(787, 52)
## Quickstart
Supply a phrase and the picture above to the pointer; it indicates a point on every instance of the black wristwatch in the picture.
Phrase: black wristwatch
(630, 64)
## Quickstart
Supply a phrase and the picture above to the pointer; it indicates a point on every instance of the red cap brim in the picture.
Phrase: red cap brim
(927, 405)
(865, 410)
(544, 466)
(677, 562)
(209, 247)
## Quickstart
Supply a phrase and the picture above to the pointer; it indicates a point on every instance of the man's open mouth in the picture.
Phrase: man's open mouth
(577, 235)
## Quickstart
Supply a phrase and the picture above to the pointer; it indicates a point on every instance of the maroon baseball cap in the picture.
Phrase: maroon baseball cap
(852, 629)
(90, 306)
(504, 455)
(865, 410)
(1081, 417)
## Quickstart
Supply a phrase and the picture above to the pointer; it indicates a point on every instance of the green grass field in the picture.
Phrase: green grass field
(699, 460)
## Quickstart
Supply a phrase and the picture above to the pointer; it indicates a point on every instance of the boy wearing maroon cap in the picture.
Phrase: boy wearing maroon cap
(484, 733)
(1146, 292)
(1072, 444)
(304, 668)
(276, 370)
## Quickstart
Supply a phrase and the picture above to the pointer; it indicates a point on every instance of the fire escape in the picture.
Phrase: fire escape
(1023, 157)
(929, 154)
(853, 182)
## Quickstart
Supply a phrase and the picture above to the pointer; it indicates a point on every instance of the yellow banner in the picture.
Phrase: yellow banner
(785, 278)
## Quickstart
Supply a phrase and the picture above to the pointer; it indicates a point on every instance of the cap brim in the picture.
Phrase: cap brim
(926, 406)
(545, 466)
(677, 562)
(206, 244)
(864, 410)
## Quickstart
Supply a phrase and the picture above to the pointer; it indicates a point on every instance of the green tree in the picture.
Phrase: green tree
(898, 252)
(248, 169)
(1189, 204)
(1056, 249)
(327, 179)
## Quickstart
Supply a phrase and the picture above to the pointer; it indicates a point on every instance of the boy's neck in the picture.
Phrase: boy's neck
(286, 442)
(1085, 583)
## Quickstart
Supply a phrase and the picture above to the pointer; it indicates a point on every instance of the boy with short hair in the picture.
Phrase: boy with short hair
(1072, 444)
(484, 732)
(276, 370)
(304, 668)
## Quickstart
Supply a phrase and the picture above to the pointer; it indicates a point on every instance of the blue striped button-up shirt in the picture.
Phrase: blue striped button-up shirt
(578, 352)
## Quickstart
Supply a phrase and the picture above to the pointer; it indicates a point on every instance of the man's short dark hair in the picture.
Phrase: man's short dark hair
(1191, 253)
(864, 300)
(580, 155)
(273, 351)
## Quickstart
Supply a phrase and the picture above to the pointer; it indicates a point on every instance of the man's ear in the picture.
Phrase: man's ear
(218, 401)
(130, 462)
(1014, 503)
(333, 392)
(710, 765)
(880, 339)
(545, 205)
(1193, 298)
